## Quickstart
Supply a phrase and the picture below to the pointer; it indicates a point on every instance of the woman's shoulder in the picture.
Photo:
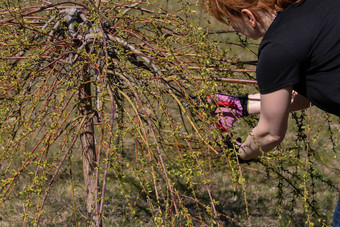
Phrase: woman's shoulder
(306, 16)
(300, 27)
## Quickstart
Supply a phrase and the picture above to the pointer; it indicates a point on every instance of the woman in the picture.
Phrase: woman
(300, 51)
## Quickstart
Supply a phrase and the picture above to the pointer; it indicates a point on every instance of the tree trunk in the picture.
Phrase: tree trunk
(89, 153)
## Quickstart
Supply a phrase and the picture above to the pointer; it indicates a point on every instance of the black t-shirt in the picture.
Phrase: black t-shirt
(302, 48)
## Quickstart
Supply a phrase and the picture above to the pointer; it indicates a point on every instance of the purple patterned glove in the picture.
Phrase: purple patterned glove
(229, 109)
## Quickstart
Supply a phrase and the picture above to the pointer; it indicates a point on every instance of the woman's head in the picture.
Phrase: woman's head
(224, 10)
(250, 17)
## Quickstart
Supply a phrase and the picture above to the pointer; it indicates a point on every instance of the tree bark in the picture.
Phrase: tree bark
(89, 155)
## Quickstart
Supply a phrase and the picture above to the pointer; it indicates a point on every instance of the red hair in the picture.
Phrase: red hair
(224, 10)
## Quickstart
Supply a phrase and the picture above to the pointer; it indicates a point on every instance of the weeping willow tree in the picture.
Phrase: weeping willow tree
(121, 87)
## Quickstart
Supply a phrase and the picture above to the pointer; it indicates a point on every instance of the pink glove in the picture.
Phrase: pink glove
(229, 109)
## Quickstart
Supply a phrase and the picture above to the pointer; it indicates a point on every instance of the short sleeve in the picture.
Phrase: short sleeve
(276, 68)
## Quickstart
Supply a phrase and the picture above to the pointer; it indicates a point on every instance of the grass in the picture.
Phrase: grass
(261, 188)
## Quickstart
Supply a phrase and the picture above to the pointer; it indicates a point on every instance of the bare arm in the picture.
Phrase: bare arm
(298, 102)
(272, 126)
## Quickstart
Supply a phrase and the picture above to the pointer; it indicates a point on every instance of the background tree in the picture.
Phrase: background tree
(121, 86)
